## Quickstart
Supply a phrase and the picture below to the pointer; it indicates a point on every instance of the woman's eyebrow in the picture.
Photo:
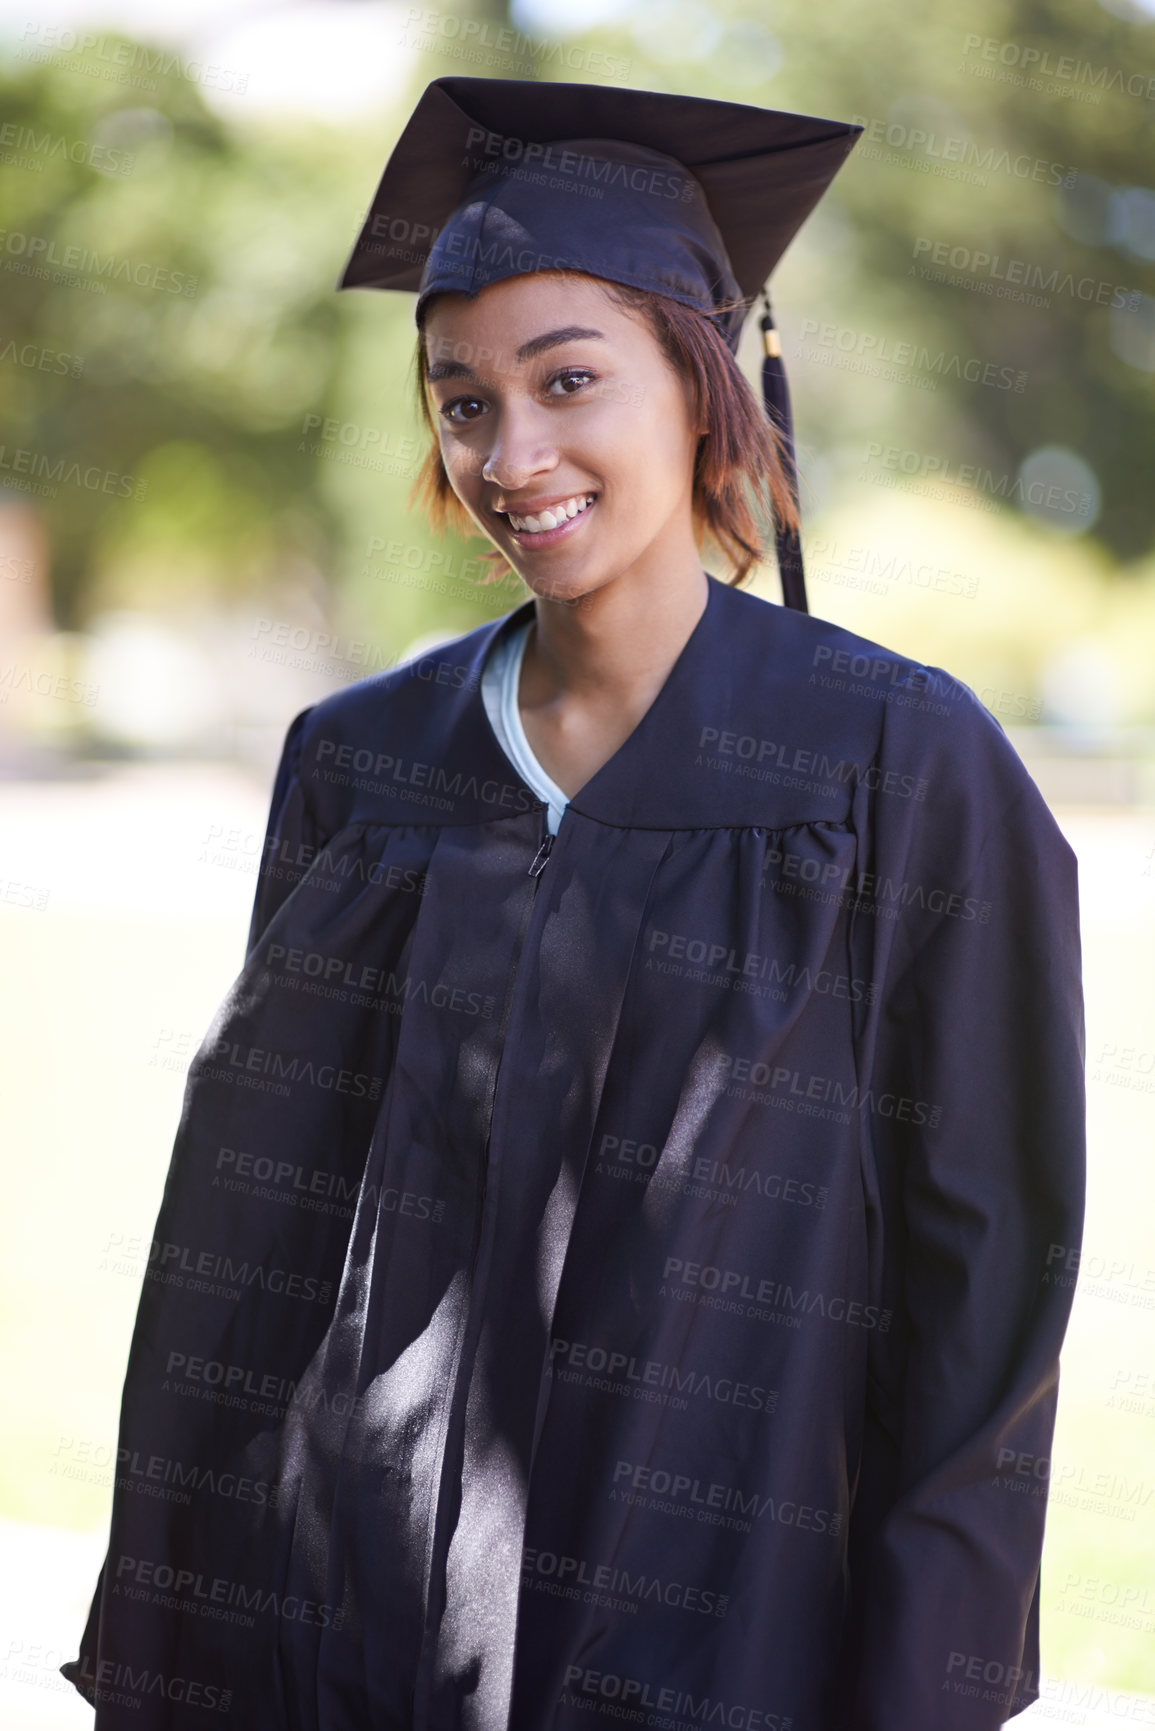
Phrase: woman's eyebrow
(527, 352)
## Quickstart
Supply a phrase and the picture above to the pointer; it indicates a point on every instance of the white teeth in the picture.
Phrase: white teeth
(549, 519)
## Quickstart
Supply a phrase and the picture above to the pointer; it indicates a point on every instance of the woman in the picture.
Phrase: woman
(621, 1208)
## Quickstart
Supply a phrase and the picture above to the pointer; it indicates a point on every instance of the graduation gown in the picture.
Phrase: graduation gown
(617, 1277)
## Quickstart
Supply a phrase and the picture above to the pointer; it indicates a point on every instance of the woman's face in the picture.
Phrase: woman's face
(547, 394)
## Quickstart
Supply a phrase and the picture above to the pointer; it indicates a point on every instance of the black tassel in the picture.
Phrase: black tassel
(776, 401)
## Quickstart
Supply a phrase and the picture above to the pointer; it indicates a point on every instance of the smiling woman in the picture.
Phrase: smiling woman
(611, 1263)
(737, 459)
(592, 456)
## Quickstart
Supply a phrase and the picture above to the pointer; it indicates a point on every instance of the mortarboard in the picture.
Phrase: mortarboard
(683, 195)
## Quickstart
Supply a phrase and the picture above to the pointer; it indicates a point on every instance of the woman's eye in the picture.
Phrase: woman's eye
(579, 373)
(463, 410)
(447, 409)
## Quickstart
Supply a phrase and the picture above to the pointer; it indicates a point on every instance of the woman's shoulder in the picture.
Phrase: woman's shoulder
(407, 744)
(820, 653)
(917, 720)
(837, 670)
(435, 672)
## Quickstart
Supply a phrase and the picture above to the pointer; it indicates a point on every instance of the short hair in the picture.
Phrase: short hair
(738, 467)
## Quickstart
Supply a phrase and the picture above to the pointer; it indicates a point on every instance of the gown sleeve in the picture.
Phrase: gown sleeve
(981, 1177)
(291, 840)
(290, 844)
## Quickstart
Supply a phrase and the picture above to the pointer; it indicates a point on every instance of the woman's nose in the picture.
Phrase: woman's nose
(517, 452)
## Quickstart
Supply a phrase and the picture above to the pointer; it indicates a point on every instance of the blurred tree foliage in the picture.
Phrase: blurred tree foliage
(214, 349)
(189, 284)
(962, 148)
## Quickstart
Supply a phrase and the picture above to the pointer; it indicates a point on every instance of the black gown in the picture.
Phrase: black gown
(621, 1278)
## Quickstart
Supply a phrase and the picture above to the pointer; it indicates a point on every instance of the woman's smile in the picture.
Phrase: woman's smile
(548, 524)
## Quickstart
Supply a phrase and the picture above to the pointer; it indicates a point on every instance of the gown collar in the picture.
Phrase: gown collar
(608, 794)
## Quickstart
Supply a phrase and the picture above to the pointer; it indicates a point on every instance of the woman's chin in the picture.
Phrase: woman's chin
(561, 589)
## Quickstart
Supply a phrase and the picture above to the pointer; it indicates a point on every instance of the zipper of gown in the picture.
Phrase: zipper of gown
(541, 856)
(439, 1558)
(536, 866)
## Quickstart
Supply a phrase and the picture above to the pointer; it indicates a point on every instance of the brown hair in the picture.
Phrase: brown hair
(738, 467)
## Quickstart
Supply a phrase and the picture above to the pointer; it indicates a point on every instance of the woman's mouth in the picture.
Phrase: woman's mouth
(554, 523)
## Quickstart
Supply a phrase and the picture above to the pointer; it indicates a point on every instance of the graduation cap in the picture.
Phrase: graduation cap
(682, 195)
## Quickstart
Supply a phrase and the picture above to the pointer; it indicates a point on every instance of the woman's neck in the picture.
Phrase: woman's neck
(592, 668)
